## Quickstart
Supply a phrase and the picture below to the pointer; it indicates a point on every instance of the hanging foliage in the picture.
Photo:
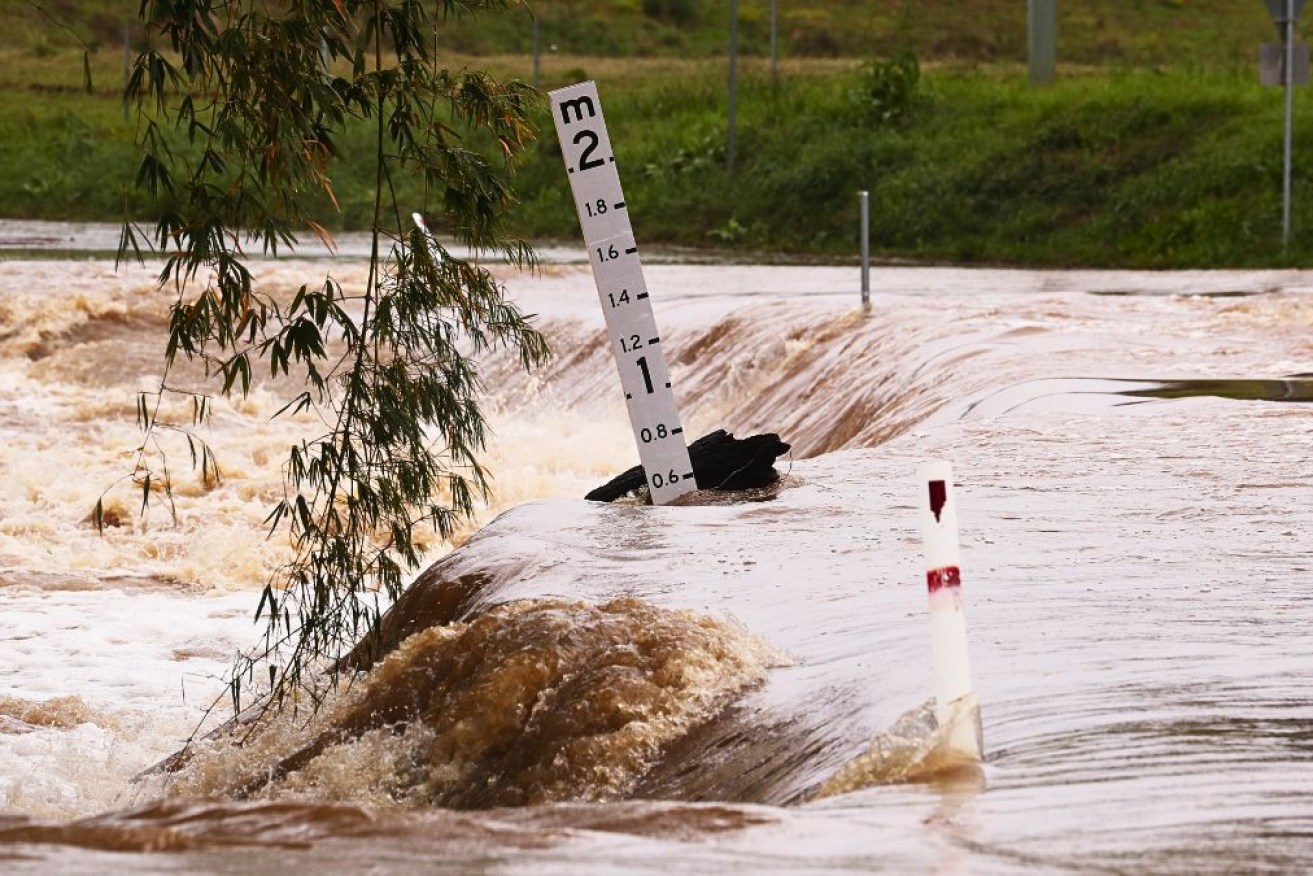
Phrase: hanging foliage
(241, 109)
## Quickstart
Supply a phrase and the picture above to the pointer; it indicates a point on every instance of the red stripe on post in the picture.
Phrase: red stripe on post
(947, 576)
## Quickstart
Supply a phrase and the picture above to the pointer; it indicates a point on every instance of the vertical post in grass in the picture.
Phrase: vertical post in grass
(537, 47)
(948, 632)
(1042, 38)
(733, 80)
(1285, 63)
(865, 198)
(1290, 104)
(127, 61)
(774, 53)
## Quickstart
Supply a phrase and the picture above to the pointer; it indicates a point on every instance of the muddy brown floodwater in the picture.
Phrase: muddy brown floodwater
(726, 686)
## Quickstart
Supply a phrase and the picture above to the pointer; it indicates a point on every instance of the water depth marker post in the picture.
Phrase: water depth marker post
(622, 291)
(948, 631)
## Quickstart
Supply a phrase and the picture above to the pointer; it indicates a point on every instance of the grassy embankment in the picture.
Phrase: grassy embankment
(1138, 33)
(1166, 166)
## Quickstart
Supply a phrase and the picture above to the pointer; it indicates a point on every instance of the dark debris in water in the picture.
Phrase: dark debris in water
(1094, 394)
(1291, 389)
(1141, 293)
(720, 462)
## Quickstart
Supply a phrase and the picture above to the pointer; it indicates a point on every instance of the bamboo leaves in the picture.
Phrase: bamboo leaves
(239, 125)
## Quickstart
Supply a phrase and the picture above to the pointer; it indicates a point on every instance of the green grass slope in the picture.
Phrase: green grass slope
(1130, 32)
(1156, 147)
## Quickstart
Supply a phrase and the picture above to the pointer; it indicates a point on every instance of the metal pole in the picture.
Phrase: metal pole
(1290, 105)
(866, 247)
(774, 55)
(1042, 33)
(127, 62)
(535, 49)
(733, 79)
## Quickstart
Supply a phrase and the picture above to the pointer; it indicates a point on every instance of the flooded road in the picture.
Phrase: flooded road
(1131, 453)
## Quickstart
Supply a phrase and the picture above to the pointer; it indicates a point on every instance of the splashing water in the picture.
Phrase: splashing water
(733, 678)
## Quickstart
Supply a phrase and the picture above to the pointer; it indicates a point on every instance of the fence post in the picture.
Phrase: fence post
(1042, 33)
(536, 46)
(733, 79)
(865, 198)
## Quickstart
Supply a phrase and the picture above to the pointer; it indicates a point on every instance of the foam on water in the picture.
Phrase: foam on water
(532, 702)
(1135, 590)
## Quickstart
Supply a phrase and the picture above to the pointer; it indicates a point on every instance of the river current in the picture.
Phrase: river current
(606, 688)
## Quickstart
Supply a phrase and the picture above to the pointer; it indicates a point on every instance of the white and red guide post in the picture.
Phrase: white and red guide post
(622, 291)
(948, 631)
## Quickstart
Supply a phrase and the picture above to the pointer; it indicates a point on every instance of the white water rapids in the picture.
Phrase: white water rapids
(1135, 568)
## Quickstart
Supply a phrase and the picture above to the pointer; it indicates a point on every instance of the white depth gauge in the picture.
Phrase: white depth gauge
(622, 291)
